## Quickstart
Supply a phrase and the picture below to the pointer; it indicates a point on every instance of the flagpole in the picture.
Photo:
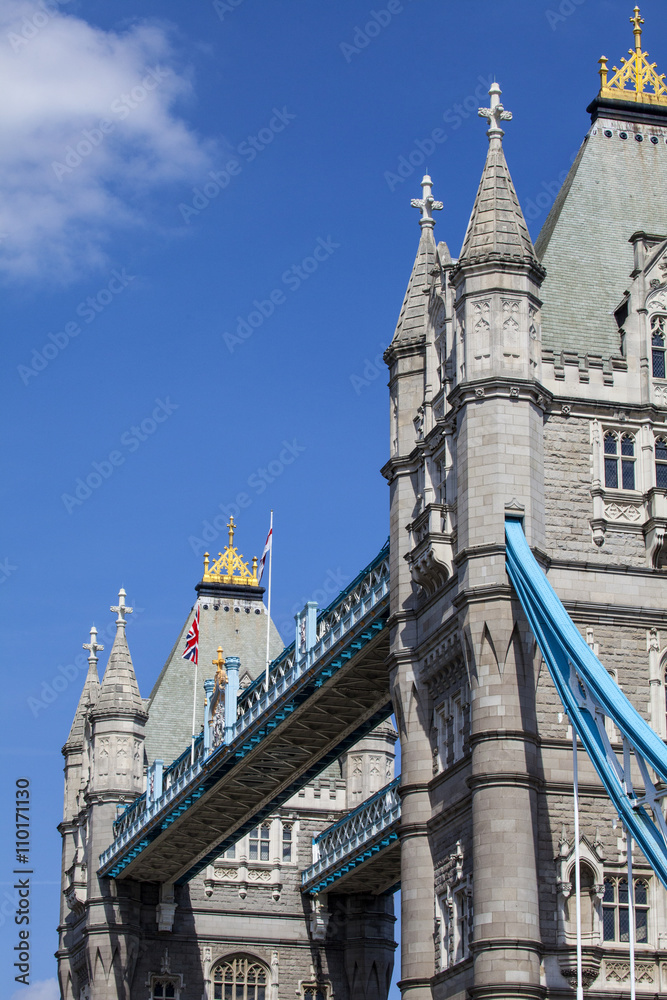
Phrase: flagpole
(194, 716)
(268, 614)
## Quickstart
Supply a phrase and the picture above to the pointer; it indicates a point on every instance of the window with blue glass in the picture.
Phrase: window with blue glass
(661, 463)
(619, 461)
(658, 324)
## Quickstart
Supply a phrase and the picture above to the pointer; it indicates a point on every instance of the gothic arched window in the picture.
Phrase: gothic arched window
(164, 988)
(615, 911)
(661, 463)
(658, 325)
(619, 461)
(259, 843)
(240, 977)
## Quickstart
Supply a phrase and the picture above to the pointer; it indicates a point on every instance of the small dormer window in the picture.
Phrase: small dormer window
(619, 461)
(658, 324)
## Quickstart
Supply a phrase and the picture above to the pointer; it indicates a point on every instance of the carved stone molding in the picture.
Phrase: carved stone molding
(618, 971)
(431, 555)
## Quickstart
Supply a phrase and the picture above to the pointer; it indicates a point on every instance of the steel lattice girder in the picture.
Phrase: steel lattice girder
(243, 783)
(374, 868)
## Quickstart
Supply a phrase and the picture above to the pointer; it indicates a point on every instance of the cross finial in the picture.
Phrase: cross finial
(496, 113)
(636, 23)
(121, 608)
(93, 645)
(426, 203)
(220, 662)
(231, 527)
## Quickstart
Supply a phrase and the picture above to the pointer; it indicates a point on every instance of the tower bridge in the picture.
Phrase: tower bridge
(324, 695)
(528, 430)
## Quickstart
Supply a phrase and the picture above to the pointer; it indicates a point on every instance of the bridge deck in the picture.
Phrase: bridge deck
(361, 851)
(311, 714)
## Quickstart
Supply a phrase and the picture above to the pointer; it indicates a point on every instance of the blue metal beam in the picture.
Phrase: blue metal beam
(589, 694)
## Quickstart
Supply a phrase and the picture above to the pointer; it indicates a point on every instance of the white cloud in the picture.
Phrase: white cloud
(46, 989)
(65, 184)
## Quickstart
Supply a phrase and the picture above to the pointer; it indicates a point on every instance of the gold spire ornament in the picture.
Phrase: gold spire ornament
(230, 567)
(637, 79)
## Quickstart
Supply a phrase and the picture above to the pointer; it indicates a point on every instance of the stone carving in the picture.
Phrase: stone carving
(619, 972)
(511, 312)
(622, 512)
(226, 873)
(660, 394)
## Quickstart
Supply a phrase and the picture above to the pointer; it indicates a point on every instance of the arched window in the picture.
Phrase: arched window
(164, 988)
(259, 843)
(619, 461)
(240, 977)
(615, 912)
(661, 463)
(287, 841)
(658, 324)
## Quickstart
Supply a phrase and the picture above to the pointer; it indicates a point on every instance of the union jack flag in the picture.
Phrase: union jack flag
(267, 549)
(192, 640)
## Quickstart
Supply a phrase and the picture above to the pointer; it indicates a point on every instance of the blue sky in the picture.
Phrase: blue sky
(205, 237)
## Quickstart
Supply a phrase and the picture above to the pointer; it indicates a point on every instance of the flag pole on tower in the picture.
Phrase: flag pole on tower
(268, 551)
(191, 652)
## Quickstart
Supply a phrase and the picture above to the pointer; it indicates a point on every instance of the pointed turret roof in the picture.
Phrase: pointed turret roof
(497, 229)
(119, 689)
(412, 317)
(89, 694)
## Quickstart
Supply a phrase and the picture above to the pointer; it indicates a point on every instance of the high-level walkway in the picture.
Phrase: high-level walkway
(323, 696)
(361, 851)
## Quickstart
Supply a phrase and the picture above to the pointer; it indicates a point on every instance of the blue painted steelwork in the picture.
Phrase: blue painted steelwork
(355, 838)
(589, 694)
(356, 616)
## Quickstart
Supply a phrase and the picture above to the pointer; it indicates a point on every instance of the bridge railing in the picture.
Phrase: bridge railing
(369, 588)
(333, 622)
(354, 831)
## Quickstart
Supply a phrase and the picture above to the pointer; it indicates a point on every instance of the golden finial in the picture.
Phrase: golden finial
(230, 567)
(637, 79)
(637, 22)
(603, 72)
(220, 679)
(220, 673)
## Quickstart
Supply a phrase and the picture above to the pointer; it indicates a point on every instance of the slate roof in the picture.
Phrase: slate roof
(119, 689)
(169, 726)
(413, 315)
(497, 226)
(615, 188)
(89, 696)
